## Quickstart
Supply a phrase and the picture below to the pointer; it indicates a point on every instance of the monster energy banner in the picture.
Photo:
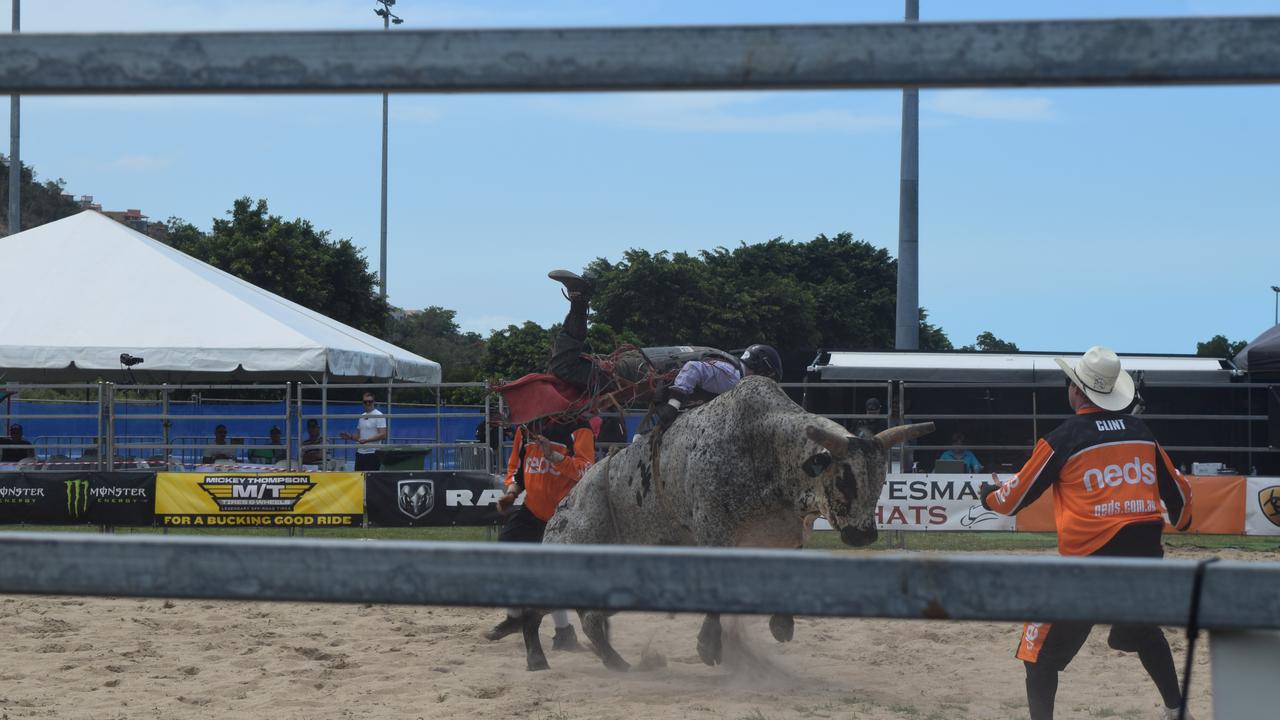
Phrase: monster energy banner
(97, 498)
(432, 498)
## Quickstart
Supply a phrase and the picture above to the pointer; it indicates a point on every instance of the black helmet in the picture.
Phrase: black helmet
(763, 360)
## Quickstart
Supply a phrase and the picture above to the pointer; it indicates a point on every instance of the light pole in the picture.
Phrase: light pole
(1276, 289)
(388, 18)
(15, 164)
(907, 317)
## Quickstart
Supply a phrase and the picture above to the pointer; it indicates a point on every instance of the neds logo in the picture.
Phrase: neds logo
(1112, 475)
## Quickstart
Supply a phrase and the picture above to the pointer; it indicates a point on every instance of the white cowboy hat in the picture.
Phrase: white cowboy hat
(1099, 375)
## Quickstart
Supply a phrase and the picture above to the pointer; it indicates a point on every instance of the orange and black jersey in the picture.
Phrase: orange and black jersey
(546, 483)
(1107, 471)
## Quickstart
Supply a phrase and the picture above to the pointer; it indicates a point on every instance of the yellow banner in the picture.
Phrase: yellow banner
(279, 499)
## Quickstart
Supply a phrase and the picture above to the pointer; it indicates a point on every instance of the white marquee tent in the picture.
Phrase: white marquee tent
(81, 291)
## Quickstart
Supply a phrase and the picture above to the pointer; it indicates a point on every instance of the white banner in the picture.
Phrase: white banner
(1262, 506)
(934, 502)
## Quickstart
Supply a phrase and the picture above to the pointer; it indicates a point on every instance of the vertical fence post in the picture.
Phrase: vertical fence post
(165, 430)
(106, 425)
(287, 435)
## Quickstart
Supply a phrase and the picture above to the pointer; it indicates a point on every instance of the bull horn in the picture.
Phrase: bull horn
(836, 443)
(902, 433)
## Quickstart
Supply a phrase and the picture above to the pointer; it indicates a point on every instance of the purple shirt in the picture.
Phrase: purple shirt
(712, 375)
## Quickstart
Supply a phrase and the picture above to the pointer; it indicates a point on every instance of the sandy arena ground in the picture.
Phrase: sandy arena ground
(102, 658)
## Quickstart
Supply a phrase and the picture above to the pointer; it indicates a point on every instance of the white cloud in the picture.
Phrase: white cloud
(413, 110)
(721, 112)
(989, 105)
(485, 324)
(141, 163)
(219, 15)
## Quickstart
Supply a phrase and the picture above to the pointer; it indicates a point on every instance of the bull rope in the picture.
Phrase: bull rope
(608, 493)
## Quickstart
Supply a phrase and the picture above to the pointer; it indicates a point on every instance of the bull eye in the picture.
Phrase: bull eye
(847, 483)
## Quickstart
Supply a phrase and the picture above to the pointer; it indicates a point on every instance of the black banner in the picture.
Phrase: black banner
(93, 498)
(432, 499)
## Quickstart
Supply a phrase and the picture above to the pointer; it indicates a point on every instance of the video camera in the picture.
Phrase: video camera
(128, 360)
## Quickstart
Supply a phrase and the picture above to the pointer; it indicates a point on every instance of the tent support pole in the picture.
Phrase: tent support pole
(288, 423)
(324, 411)
(165, 424)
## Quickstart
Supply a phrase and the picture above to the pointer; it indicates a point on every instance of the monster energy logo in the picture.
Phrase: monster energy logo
(77, 497)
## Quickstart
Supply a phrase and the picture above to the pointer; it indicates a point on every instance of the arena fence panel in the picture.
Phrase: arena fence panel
(1013, 54)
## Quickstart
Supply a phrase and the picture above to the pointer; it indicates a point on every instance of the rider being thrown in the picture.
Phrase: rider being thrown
(704, 372)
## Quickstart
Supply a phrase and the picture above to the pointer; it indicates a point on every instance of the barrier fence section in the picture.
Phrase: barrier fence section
(172, 427)
(916, 55)
(297, 499)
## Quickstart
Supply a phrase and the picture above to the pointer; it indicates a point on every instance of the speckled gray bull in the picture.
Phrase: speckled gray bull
(750, 468)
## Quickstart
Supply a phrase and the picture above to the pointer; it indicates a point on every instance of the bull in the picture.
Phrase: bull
(751, 468)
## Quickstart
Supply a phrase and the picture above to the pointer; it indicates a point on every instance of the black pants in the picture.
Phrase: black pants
(571, 364)
(521, 526)
(368, 461)
(567, 360)
(1065, 639)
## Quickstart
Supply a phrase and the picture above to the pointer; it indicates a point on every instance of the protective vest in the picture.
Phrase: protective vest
(546, 483)
(1107, 471)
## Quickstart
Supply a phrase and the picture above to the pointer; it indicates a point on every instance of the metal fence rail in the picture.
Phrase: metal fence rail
(1059, 52)
(1236, 594)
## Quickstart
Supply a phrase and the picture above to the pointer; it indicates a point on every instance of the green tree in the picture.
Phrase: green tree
(434, 333)
(40, 202)
(988, 342)
(931, 336)
(1219, 346)
(291, 259)
(517, 350)
(829, 292)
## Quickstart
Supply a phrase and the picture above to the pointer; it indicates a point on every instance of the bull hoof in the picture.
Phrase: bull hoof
(537, 662)
(783, 627)
(710, 648)
(614, 661)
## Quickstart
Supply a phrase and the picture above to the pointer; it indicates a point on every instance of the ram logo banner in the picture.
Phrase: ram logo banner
(256, 493)
(416, 498)
(1269, 502)
(77, 497)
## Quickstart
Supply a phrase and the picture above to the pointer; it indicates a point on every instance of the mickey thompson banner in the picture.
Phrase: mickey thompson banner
(280, 499)
(432, 498)
(97, 498)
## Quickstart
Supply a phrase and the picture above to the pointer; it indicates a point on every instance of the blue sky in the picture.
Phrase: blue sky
(1140, 218)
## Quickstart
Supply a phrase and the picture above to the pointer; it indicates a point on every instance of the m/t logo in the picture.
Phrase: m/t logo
(256, 491)
(77, 497)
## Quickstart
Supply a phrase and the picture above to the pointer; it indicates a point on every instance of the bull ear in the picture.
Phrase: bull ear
(902, 433)
(836, 443)
(816, 463)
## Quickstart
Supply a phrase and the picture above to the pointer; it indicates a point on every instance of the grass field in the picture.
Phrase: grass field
(934, 541)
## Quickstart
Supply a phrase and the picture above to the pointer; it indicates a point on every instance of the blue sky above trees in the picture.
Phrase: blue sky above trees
(1139, 218)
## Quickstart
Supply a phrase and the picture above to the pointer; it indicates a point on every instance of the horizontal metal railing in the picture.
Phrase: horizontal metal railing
(955, 587)
(1142, 51)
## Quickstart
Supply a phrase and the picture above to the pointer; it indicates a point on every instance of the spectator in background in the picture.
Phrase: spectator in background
(221, 448)
(277, 454)
(958, 452)
(870, 426)
(313, 455)
(493, 427)
(371, 430)
(24, 449)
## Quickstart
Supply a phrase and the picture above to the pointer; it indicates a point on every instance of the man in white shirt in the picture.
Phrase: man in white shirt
(370, 430)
